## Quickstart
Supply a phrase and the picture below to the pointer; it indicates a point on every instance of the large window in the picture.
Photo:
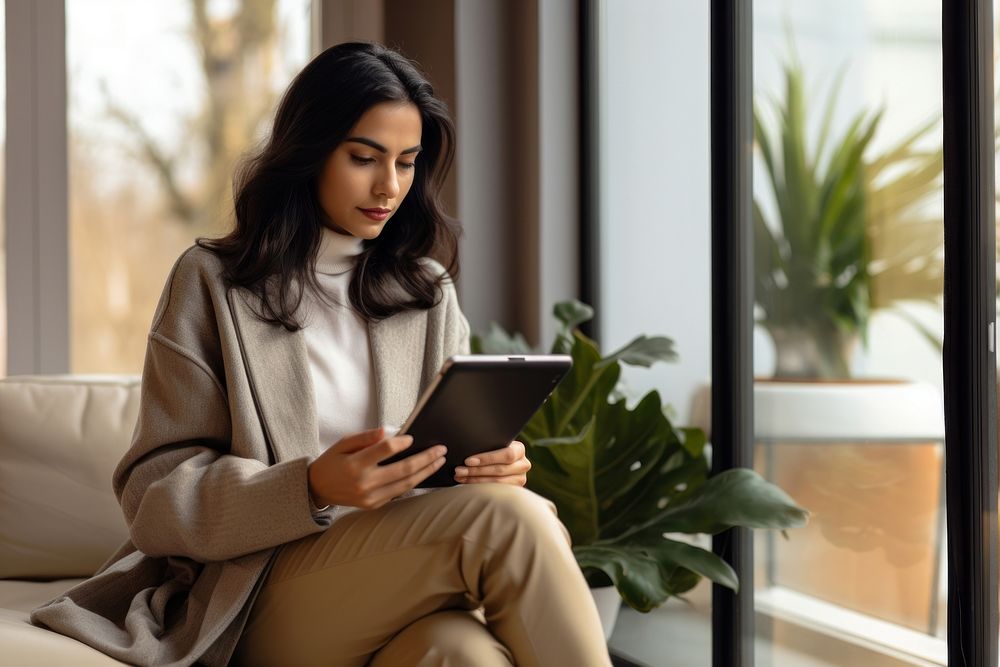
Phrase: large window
(163, 99)
(849, 266)
(849, 410)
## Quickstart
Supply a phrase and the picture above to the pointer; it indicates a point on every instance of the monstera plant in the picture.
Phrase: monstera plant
(626, 481)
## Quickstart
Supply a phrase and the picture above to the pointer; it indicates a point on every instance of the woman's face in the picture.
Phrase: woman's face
(371, 169)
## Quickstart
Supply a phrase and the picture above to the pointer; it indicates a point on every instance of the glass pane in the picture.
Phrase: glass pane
(152, 148)
(849, 261)
(655, 251)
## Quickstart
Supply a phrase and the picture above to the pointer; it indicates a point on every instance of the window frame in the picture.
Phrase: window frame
(36, 210)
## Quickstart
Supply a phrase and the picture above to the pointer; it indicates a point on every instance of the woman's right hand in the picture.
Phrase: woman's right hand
(348, 473)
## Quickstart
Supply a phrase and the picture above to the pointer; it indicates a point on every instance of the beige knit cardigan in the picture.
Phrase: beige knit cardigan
(215, 478)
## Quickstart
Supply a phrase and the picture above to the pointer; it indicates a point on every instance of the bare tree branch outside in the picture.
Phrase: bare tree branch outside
(153, 147)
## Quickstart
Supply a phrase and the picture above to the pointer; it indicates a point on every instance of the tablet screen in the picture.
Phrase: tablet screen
(479, 403)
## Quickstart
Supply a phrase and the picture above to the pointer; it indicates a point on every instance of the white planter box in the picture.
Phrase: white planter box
(608, 603)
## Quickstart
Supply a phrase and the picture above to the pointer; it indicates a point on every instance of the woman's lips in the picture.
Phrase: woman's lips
(375, 214)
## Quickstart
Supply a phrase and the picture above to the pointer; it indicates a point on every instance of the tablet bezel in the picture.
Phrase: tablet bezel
(459, 359)
(444, 476)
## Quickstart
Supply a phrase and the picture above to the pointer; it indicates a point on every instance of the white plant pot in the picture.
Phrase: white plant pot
(608, 603)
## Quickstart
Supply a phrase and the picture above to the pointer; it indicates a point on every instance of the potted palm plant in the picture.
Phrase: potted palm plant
(850, 232)
(625, 481)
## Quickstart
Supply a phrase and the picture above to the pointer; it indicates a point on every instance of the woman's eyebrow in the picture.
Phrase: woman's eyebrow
(379, 147)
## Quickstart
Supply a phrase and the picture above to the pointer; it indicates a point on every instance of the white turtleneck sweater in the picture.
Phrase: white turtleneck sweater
(336, 339)
(337, 346)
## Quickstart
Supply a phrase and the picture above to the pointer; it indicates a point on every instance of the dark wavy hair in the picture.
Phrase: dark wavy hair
(278, 217)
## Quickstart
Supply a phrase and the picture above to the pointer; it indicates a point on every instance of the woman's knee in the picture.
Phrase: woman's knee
(513, 498)
(518, 506)
(452, 637)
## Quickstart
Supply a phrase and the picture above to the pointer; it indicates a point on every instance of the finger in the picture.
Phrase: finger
(408, 466)
(516, 468)
(358, 441)
(516, 480)
(508, 454)
(370, 456)
(401, 486)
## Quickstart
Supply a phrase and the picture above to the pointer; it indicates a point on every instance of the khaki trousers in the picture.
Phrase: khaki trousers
(478, 574)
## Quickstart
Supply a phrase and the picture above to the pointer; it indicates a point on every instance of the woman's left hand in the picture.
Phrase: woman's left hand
(506, 466)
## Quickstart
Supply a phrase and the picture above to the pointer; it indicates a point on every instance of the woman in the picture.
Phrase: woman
(263, 530)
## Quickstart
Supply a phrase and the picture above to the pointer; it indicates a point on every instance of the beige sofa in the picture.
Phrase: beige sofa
(60, 439)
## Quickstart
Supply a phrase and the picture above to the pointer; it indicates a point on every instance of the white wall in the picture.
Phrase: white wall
(655, 208)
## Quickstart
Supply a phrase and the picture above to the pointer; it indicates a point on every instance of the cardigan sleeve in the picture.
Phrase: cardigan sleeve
(182, 490)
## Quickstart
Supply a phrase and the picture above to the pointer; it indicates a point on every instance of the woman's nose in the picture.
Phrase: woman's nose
(388, 185)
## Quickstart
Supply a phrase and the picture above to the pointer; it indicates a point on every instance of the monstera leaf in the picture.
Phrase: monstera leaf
(499, 341)
(623, 478)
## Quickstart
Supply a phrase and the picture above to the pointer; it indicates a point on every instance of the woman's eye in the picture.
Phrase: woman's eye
(361, 160)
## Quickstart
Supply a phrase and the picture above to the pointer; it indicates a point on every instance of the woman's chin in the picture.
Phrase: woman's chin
(370, 231)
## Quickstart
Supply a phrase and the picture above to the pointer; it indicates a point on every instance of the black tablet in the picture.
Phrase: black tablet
(478, 403)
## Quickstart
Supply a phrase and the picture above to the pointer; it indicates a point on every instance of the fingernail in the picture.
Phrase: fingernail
(461, 471)
(472, 462)
(442, 450)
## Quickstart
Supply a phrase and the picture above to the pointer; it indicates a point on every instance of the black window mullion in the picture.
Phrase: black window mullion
(732, 309)
(969, 357)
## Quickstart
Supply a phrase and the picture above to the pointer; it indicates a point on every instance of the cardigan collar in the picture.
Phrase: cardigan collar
(277, 367)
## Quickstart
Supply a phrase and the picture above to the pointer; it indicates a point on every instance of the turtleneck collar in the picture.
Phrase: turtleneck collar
(337, 252)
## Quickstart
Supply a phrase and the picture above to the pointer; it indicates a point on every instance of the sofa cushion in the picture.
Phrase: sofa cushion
(60, 440)
(27, 646)
(23, 596)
